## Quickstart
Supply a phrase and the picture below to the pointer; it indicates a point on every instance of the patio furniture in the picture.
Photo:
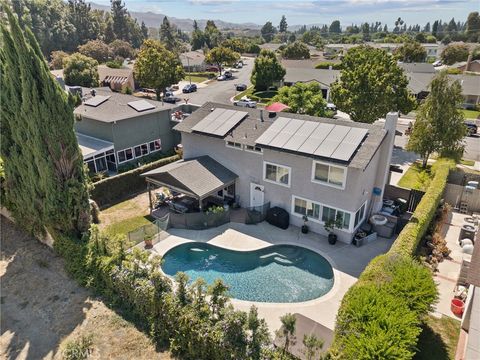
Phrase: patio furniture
(182, 205)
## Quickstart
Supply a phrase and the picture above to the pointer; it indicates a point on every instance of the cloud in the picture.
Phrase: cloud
(211, 2)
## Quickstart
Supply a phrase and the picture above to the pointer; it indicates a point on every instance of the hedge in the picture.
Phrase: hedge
(364, 332)
(408, 240)
(115, 188)
(326, 65)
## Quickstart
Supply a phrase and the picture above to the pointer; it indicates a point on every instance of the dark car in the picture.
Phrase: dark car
(228, 74)
(472, 128)
(189, 88)
(241, 87)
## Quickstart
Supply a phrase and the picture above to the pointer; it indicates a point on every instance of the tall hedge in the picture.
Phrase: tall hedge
(115, 188)
(45, 182)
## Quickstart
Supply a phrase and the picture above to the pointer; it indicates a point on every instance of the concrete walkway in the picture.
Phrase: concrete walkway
(347, 261)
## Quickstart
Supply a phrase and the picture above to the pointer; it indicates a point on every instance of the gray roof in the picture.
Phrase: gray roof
(417, 67)
(418, 82)
(195, 58)
(470, 83)
(251, 128)
(92, 146)
(116, 107)
(198, 176)
(323, 76)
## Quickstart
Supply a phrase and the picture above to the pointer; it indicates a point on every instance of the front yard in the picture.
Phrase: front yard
(416, 177)
(438, 339)
(471, 114)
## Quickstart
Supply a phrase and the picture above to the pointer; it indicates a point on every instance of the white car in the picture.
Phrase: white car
(245, 102)
(221, 78)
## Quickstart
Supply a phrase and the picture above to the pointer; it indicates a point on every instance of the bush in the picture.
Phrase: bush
(207, 74)
(115, 188)
(326, 65)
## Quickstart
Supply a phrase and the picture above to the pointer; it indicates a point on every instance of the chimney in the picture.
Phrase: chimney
(469, 61)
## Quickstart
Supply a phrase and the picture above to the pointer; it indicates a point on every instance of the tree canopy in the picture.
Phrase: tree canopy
(282, 27)
(296, 51)
(370, 85)
(267, 70)
(454, 53)
(167, 36)
(121, 48)
(439, 123)
(156, 67)
(96, 49)
(335, 27)
(268, 31)
(45, 181)
(303, 98)
(410, 52)
(221, 55)
(80, 70)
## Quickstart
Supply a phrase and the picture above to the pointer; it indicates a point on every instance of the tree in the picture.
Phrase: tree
(156, 67)
(411, 51)
(371, 84)
(473, 26)
(221, 55)
(303, 98)
(268, 31)
(312, 346)
(144, 30)
(267, 70)
(454, 53)
(166, 35)
(439, 123)
(398, 25)
(81, 17)
(287, 331)
(421, 38)
(282, 27)
(96, 49)
(259, 336)
(212, 35)
(80, 70)
(120, 20)
(121, 48)
(45, 182)
(335, 27)
(296, 51)
(235, 44)
(57, 58)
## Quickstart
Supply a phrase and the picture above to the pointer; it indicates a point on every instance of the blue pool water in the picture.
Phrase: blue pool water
(279, 273)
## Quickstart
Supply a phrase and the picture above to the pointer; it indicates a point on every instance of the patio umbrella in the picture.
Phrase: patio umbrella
(277, 107)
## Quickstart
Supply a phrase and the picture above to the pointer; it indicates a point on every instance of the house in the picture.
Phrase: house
(309, 166)
(417, 67)
(432, 50)
(114, 129)
(470, 66)
(193, 61)
(305, 75)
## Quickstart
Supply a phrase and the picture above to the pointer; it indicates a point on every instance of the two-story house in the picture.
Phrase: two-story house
(318, 167)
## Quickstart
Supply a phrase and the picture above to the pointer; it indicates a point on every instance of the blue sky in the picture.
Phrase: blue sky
(308, 12)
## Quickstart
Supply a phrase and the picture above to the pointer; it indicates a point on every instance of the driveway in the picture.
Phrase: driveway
(347, 261)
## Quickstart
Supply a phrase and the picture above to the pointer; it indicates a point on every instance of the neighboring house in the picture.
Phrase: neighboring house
(318, 167)
(334, 49)
(114, 129)
(305, 75)
(464, 66)
(193, 61)
(115, 79)
(417, 67)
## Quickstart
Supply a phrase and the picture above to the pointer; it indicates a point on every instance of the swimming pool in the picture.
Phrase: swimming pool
(278, 273)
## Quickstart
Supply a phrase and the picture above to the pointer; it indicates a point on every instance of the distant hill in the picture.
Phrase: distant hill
(154, 20)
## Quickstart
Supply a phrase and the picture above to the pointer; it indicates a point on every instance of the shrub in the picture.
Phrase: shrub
(78, 349)
(115, 188)
(326, 65)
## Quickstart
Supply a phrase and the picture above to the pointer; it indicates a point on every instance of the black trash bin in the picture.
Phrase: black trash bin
(278, 217)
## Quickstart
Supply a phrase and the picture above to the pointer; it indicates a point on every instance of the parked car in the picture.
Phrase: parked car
(241, 87)
(437, 63)
(472, 128)
(332, 107)
(189, 88)
(211, 68)
(170, 98)
(221, 78)
(245, 102)
(238, 65)
(228, 74)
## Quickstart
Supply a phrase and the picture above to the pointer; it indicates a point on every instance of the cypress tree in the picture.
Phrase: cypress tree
(45, 182)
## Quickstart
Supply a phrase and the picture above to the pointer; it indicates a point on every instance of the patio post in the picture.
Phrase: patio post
(200, 205)
(149, 196)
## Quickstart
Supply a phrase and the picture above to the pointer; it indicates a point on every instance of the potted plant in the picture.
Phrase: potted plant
(330, 225)
(305, 226)
(148, 239)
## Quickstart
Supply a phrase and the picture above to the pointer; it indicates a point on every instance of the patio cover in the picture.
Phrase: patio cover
(277, 107)
(197, 177)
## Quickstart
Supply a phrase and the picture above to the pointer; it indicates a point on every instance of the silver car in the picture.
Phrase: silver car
(245, 102)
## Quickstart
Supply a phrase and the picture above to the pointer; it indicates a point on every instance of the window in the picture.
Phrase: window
(125, 155)
(234, 145)
(141, 150)
(254, 149)
(306, 207)
(155, 145)
(329, 174)
(331, 214)
(360, 215)
(129, 154)
(277, 174)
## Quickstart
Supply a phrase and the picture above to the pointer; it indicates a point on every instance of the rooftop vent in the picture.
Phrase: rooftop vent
(96, 100)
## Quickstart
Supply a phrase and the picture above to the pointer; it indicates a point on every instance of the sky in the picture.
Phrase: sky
(309, 12)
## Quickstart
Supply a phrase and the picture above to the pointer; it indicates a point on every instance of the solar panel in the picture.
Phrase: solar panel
(301, 135)
(286, 133)
(220, 121)
(334, 138)
(272, 131)
(316, 138)
(94, 101)
(349, 144)
(141, 105)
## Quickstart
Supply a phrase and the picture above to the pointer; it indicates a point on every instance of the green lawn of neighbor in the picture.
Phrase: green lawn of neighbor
(471, 114)
(126, 225)
(438, 339)
(195, 78)
(467, 162)
(416, 177)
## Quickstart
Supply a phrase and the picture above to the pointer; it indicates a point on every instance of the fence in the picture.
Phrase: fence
(256, 214)
(198, 221)
(156, 231)
(455, 194)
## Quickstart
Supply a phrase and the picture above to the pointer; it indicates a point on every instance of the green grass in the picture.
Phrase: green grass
(416, 177)
(471, 114)
(125, 226)
(248, 92)
(195, 78)
(261, 97)
(467, 162)
(438, 339)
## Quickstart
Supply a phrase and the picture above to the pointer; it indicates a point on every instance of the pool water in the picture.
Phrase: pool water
(278, 273)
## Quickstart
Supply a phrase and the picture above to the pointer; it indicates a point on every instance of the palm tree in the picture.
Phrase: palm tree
(287, 330)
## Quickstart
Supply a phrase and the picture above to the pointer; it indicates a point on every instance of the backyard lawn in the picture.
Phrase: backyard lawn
(438, 339)
(262, 97)
(471, 114)
(195, 78)
(416, 177)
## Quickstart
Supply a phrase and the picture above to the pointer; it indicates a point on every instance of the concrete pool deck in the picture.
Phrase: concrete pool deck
(347, 262)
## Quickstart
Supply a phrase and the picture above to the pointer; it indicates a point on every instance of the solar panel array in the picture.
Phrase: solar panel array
(313, 138)
(94, 101)
(141, 105)
(220, 121)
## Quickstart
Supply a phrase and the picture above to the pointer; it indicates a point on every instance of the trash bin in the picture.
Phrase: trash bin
(278, 217)
(467, 231)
